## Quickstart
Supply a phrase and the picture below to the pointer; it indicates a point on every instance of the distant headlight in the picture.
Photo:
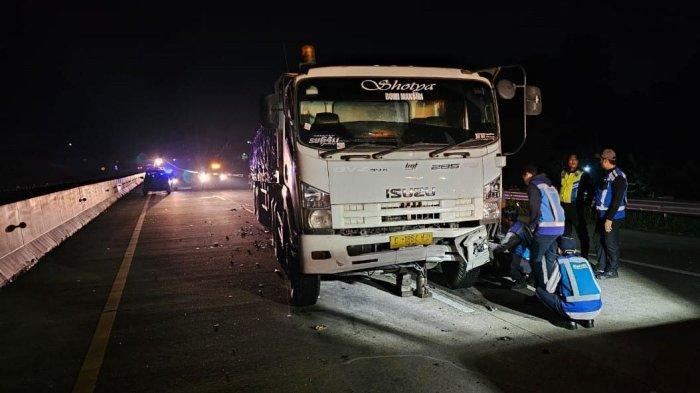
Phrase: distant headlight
(320, 219)
(203, 177)
(223, 177)
(492, 199)
(315, 198)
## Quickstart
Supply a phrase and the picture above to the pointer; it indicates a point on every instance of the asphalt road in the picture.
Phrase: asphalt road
(204, 310)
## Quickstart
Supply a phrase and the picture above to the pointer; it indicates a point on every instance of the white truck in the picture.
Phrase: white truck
(381, 168)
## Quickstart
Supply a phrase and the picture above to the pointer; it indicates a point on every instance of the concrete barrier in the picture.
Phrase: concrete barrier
(32, 227)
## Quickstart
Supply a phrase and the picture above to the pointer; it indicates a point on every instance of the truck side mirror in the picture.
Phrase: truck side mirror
(533, 100)
(506, 89)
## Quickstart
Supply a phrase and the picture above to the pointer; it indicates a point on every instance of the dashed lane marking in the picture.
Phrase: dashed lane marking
(87, 378)
(668, 269)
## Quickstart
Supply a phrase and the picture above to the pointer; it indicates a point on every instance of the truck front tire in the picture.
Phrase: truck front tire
(457, 276)
(303, 288)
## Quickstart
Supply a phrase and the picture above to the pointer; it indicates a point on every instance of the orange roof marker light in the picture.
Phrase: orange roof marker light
(215, 166)
(308, 57)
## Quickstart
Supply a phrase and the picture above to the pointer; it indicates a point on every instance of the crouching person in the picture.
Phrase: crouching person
(577, 298)
(516, 241)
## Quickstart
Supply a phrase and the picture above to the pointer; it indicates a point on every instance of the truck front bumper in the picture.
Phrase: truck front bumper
(467, 245)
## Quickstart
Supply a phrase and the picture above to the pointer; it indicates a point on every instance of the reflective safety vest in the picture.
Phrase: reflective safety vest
(578, 289)
(522, 249)
(551, 221)
(569, 185)
(603, 196)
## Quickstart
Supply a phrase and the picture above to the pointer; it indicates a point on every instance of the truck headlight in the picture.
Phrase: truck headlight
(320, 219)
(313, 198)
(492, 199)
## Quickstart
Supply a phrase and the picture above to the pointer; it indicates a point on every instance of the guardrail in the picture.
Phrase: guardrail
(32, 227)
(651, 205)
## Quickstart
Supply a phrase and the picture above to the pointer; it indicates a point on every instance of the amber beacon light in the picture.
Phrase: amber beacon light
(308, 54)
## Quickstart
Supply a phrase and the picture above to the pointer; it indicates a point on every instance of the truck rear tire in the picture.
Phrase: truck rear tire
(457, 276)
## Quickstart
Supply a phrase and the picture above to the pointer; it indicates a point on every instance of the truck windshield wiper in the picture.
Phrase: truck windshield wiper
(457, 145)
(347, 148)
(402, 147)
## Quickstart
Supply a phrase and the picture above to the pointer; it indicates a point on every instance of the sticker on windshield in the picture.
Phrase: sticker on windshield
(340, 145)
(307, 126)
(403, 96)
(484, 135)
(324, 140)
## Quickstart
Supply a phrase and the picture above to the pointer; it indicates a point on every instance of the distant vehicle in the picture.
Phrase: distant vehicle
(156, 180)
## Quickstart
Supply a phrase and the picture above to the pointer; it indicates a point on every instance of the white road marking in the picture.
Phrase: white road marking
(668, 269)
(214, 196)
(452, 303)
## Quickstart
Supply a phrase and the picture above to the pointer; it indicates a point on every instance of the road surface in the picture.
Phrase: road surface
(203, 309)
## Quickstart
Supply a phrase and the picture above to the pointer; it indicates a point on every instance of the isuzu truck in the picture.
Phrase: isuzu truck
(382, 168)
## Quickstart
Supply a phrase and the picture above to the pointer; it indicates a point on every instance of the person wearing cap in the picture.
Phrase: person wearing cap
(610, 203)
(576, 193)
(546, 224)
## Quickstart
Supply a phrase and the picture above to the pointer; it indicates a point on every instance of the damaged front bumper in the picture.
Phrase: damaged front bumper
(338, 253)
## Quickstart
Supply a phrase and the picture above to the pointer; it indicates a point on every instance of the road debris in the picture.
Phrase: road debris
(490, 307)
(319, 328)
(505, 338)
(216, 327)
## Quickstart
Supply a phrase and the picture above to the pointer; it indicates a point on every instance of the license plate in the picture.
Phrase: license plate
(414, 239)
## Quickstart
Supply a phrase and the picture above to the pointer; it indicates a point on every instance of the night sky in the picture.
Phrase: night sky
(127, 81)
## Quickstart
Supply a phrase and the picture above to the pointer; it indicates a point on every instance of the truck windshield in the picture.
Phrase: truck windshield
(340, 112)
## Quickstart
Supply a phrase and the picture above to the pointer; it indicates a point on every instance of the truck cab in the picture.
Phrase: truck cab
(362, 168)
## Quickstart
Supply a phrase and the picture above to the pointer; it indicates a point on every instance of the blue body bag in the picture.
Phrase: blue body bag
(578, 289)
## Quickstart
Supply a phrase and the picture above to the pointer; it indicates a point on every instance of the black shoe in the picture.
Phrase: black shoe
(567, 324)
(607, 275)
(587, 323)
(599, 273)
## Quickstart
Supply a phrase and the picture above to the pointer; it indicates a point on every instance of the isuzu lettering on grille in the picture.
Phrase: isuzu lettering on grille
(413, 192)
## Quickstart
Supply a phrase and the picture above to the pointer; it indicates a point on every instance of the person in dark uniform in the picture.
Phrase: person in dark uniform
(610, 203)
(576, 193)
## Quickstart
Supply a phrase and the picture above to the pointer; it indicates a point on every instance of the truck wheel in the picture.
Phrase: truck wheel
(457, 276)
(303, 288)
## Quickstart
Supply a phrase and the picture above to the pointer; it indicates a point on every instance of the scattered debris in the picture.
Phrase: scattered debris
(233, 209)
(344, 357)
(319, 328)
(217, 245)
(249, 253)
(260, 292)
(261, 285)
(505, 338)
(227, 238)
(490, 307)
(216, 327)
(257, 265)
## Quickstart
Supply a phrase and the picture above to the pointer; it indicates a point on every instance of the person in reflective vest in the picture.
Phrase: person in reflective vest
(576, 193)
(578, 296)
(610, 204)
(546, 224)
(516, 241)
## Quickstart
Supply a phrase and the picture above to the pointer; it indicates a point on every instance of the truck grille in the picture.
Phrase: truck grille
(359, 215)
